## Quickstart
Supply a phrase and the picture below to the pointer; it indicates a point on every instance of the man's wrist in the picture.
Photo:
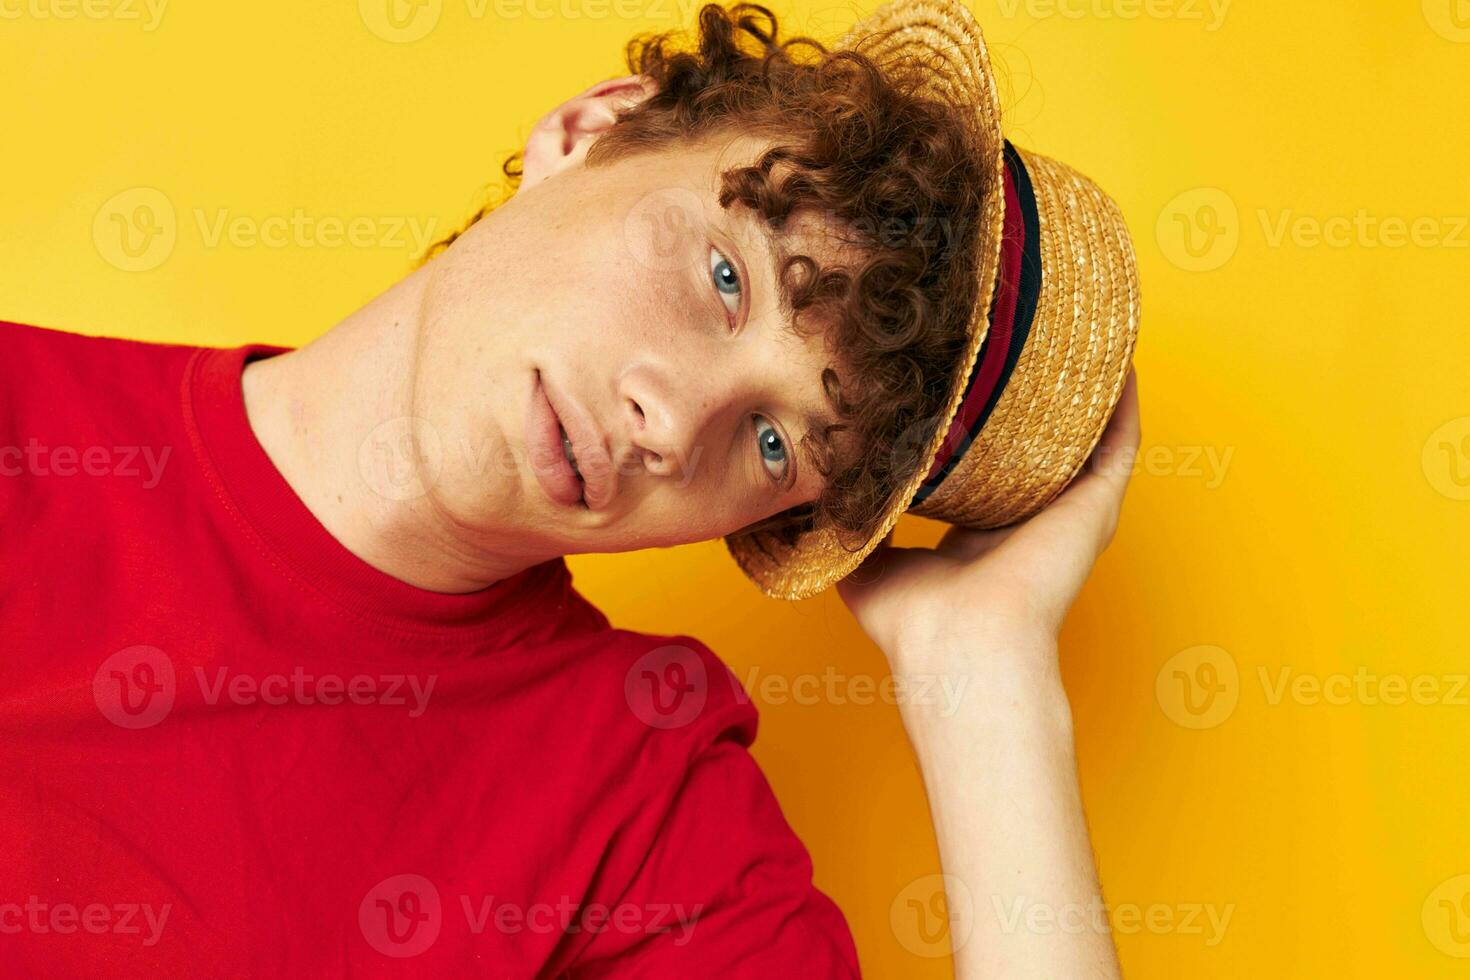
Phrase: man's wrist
(990, 682)
(978, 642)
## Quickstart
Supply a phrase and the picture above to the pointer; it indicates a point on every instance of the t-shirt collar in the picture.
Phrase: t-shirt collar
(538, 601)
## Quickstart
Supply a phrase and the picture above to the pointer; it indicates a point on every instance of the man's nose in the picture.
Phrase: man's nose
(667, 417)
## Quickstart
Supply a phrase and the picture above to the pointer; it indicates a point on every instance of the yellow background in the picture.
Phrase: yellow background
(1326, 374)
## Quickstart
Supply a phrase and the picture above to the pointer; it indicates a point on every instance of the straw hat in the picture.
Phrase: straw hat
(1050, 343)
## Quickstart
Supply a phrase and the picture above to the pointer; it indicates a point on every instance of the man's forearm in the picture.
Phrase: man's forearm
(1001, 776)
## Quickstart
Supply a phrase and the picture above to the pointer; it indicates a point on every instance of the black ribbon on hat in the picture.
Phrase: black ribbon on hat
(1018, 284)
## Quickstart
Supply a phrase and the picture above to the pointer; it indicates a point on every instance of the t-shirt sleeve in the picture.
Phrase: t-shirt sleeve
(726, 890)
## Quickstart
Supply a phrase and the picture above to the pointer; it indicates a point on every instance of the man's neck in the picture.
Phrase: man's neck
(314, 409)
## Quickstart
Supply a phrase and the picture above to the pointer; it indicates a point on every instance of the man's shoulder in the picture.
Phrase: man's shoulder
(669, 687)
(55, 381)
(42, 341)
(711, 848)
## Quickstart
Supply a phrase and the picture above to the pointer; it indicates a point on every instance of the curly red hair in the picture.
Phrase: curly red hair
(899, 178)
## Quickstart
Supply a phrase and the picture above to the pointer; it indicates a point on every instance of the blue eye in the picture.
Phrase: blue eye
(772, 449)
(726, 279)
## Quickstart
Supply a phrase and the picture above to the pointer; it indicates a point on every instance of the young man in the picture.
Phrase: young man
(297, 682)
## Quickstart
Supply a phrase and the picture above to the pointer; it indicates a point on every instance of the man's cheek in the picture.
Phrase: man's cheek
(689, 467)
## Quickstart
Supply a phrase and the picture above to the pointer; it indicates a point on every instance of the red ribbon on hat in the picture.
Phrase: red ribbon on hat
(990, 371)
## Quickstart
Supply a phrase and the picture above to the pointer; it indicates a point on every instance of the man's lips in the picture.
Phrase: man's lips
(564, 418)
(548, 460)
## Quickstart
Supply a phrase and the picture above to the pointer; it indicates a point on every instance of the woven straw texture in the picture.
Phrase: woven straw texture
(1072, 368)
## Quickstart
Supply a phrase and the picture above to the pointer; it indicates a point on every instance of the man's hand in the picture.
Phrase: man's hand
(984, 608)
(1018, 579)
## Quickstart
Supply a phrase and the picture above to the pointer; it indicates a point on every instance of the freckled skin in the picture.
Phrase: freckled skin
(631, 294)
(600, 277)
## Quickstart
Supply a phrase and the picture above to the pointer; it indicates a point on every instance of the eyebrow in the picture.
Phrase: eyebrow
(776, 251)
(813, 423)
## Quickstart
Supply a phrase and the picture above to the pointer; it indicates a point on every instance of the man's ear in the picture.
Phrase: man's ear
(561, 138)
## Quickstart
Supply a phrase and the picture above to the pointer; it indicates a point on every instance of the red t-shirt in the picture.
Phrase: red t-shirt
(229, 747)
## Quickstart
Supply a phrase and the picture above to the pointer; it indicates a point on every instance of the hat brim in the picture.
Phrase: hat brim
(1071, 371)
